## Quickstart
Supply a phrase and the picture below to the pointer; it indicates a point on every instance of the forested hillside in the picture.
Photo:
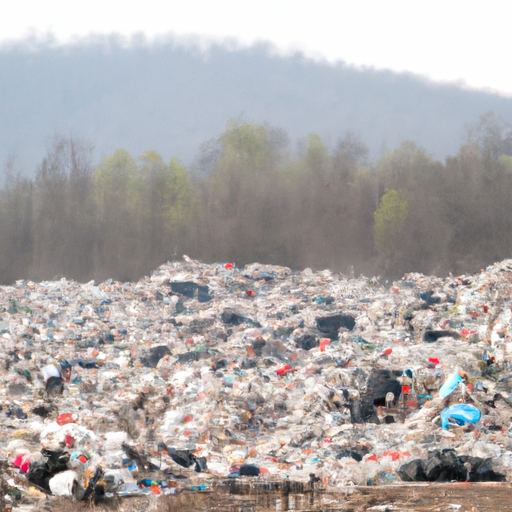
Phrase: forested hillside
(249, 197)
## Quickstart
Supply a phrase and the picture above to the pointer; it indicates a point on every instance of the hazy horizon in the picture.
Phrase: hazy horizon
(93, 89)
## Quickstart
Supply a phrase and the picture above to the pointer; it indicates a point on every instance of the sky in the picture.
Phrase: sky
(467, 42)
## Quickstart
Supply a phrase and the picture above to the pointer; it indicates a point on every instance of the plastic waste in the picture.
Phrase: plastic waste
(450, 385)
(324, 342)
(62, 483)
(42, 470)
(67, 418)
(186, 357)
(461, 414)
(80, 460)
(50, 371)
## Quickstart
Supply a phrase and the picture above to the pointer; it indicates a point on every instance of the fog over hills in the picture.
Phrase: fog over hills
(172, 97)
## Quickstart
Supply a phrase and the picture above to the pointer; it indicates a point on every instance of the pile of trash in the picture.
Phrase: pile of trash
(209, 371)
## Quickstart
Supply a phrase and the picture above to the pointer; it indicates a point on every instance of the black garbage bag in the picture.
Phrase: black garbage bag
(155, 354)
(412, 471)
(379, 383)
(43, 410)
(54, 386)
(249, 470)
(200, 464)
(480, 470)
(203, 294)
(237, 470)
(306, 341)
(184, 458)
(446, 466)
(433, 336)
(330, 325)
(219, 364)
(191, 290)
(40, 472)
(186, 357)
(186, 288)
(230, 316)
(429, 298)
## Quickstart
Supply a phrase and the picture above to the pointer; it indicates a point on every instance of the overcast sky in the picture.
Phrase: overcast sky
(465, 41)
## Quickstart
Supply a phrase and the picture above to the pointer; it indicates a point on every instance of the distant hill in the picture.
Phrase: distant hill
(172, 98)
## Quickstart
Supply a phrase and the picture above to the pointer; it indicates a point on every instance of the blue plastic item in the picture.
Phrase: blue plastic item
(461, 413)
(201, 487)
(450, 384)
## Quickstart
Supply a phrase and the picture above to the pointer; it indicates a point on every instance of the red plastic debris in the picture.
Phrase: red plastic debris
(229, 265)
(324, 342)
(83, 459)
(66, 418)
(17, 461)
(284, 370)
(25, 465)
(250, 293)
(394, 455)
(433, 360)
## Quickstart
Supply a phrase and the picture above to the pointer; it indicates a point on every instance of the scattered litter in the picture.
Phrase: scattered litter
(203, 372)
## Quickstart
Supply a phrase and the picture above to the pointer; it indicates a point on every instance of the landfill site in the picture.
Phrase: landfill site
(216, 384)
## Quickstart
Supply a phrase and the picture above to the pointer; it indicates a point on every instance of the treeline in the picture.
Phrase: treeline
(249, 198)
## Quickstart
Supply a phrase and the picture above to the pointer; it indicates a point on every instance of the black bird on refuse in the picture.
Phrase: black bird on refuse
(185, 458)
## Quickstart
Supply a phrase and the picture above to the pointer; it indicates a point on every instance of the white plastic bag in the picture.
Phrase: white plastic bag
(62, 483)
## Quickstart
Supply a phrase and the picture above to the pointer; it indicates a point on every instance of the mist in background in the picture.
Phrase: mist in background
(119, 157)
(171, 96)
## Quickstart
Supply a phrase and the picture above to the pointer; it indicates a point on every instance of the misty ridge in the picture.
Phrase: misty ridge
(118, 158)
(172, 95)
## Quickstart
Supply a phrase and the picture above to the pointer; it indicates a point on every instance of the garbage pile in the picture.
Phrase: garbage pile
(203, 372)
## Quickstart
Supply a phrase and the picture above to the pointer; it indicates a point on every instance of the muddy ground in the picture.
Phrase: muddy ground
(432, 497)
